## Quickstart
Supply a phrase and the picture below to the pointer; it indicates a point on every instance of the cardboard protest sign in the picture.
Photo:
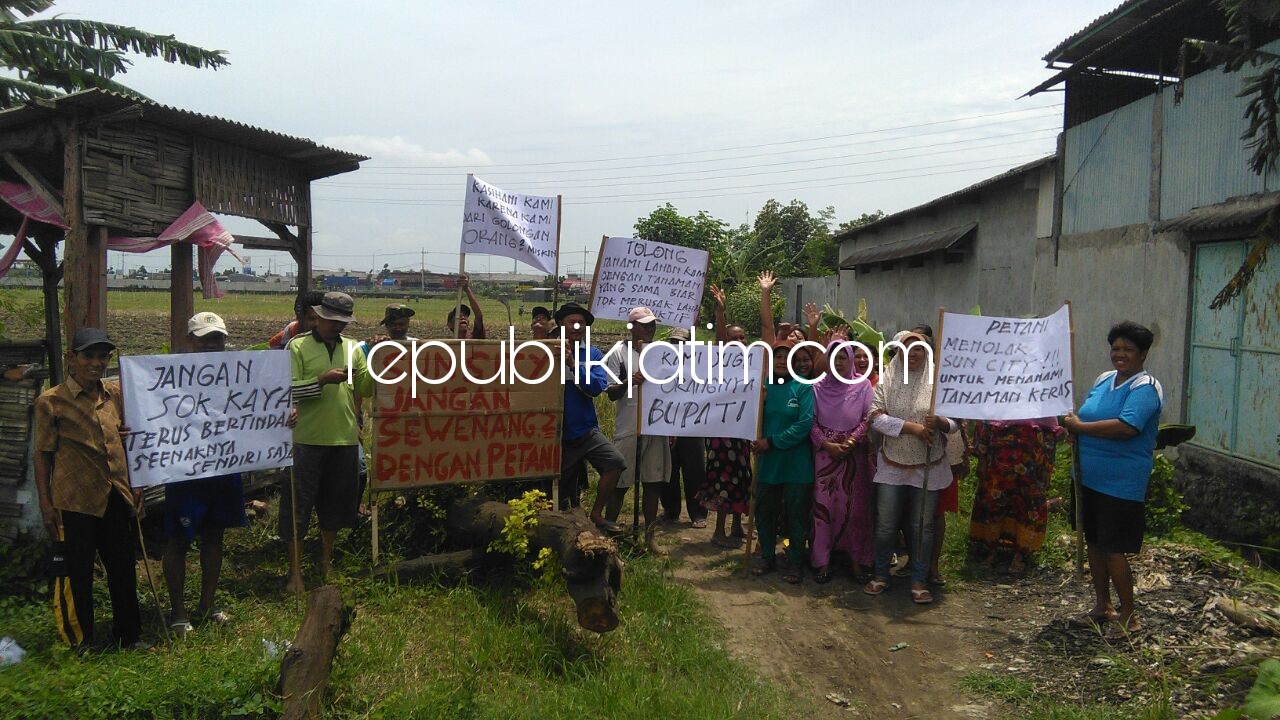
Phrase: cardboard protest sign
(456, 411)
(520, 227)
(667, 279)
(994, 368)
(706, 393)
(198, 415)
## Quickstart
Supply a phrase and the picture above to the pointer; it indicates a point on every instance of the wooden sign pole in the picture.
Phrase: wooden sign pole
(1077, 489)
(933, 398)
(555, 286)
(595, 276)
(755, 488)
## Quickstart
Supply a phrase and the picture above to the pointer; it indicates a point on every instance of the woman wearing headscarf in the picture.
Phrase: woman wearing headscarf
(912, 454)
(1116, 429)
(784, 473)
(842, 490)
(1015, 463)
(727, 487)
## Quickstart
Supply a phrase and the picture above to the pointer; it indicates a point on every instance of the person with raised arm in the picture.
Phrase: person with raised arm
(471, 325)
(727, 488)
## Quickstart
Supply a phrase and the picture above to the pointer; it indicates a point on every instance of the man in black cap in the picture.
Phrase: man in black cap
(470, 330)
(541, 324)
(581, 439)
(326, 457)
(85, 499)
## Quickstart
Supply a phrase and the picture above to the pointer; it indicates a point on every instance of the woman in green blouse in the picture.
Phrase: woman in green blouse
(784, 472)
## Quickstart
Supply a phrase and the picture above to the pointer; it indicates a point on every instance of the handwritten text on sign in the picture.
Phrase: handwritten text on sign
(466, 429)
(205, 414)
(707, 395)
(520, 227)
(664, 278)
(993, 368)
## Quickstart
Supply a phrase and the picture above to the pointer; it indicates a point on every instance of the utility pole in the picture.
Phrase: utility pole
(423, 273)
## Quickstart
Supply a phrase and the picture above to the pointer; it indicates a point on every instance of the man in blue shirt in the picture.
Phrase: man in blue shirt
(581, 439)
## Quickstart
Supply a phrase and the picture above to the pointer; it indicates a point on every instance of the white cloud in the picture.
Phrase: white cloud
(395, 150)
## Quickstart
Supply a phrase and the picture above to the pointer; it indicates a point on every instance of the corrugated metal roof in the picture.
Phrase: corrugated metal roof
(319, 161)
(918, 245)
(1104, 28)
(1236, 212)
(902, 214)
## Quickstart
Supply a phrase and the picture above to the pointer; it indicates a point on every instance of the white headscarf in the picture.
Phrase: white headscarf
(907, 396)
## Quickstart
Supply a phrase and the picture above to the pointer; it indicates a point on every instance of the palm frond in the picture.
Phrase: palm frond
(15, 10)
(122, 38)
(25, 51)
(70, 79)
(16, 91)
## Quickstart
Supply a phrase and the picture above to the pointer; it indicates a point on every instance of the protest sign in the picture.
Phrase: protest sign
(473, 411)
(706, 393)
(520, 227)
(198, 415)
(994, 368)
(667, 279)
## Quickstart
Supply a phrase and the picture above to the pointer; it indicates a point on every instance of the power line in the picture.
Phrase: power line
(453, 185)
(740, 147)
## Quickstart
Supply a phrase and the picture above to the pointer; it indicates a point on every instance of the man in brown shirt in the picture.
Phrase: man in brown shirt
(85, 498)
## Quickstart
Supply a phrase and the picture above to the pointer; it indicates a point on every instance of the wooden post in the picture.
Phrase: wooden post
(181, 302)
(751, 500)
(305, 667)
(84, 258)
(591, 301)
(303, 258)
(933, 398)
(457, 305)
(555, 286)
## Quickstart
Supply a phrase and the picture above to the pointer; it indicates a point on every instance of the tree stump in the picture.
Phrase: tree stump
(305, 667)
(592, 568)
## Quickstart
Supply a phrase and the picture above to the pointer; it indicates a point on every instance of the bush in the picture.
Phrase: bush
(1164, 502)
(742, 307)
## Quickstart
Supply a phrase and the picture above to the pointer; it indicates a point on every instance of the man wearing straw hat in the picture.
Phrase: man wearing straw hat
(326, 444)
(85, 499)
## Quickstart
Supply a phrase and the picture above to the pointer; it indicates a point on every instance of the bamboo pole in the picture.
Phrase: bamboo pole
(555, 286)
(1077, 489)
(751, 501)
(924, 489)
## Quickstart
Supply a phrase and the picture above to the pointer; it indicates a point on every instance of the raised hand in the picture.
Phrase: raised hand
(718, 295)
(767, 280)
(811, 314)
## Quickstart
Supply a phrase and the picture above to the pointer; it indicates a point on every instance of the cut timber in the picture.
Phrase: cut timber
(592, 569)
(1247, 616)
(304, 670)
(450, 563)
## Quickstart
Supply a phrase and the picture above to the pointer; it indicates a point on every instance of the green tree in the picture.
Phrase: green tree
(50, 56)
(667, 225)
(1250, 24)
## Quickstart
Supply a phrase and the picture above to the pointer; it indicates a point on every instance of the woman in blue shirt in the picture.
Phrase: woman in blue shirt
(1116, 432)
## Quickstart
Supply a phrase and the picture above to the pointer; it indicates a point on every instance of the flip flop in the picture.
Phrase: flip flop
(823, 576)
(921, 597)
(609, 528)
(875, 587)
(937, 579)
(761, 566)
(793, 576)
(699, 523)
(180, 628)
(728, 543)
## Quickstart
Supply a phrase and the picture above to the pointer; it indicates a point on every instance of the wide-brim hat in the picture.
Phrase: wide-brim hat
(336, 306)
(396, 311)
(568, 309)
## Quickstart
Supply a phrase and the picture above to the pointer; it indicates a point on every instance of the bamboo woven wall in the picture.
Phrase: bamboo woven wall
(233, 180)
(18, 499)
(137, 177)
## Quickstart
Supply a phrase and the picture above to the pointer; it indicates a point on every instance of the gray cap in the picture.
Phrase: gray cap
(88, 337)
(336, 306)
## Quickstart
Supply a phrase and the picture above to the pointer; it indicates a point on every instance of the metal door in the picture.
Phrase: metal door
(1258, 401)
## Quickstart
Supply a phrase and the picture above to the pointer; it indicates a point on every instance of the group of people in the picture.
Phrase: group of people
(843, 472)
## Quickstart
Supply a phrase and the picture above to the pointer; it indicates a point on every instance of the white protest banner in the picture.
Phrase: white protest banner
(706, 393)
(200, 415)
(667, 279)
(995, 368)
(520, 227)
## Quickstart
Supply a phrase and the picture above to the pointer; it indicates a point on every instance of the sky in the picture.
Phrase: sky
(711, 106)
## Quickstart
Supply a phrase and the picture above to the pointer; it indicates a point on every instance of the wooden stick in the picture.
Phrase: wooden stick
(373, 517)
(591, 301)
(457, 306)
(751, 501)
(155, 596)
(1077, 488)
(555, 286)
(933, 398)
(294, 551)
(635, 475)
(38, 184)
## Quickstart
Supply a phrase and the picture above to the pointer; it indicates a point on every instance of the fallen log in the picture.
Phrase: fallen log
(592, 568)
(449, 563)
(1246, 616)
(305, 667)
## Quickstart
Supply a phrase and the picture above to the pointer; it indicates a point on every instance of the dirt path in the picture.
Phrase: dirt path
(832, 639)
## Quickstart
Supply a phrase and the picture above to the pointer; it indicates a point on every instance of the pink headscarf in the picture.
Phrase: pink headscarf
(841, 406)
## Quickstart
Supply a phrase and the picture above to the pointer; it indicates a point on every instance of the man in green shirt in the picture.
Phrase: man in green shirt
(328, 369)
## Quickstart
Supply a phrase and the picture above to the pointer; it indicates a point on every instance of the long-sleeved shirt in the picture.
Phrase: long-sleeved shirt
(579, 390)
(788, 418)
(888, 473)
(327, 414)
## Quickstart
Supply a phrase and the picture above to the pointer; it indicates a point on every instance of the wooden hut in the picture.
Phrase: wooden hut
(115, 165)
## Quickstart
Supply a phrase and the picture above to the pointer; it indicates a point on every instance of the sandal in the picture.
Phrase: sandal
(823, 576)
(875, 587)
(762, 566)
(793, 575)
(699, 523)
(921, 596)
(219, 616)
(180, 628)
(728, 543)
(609, 527)
(937, 579)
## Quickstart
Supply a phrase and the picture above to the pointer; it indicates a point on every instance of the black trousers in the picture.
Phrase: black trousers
(110, 537)
(688, 461)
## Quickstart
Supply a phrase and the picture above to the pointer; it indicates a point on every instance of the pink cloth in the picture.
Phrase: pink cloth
(838, 405)
(11, 254)
(843, 495)
(197, 226)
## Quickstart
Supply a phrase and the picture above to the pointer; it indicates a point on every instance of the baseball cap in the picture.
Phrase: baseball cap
(641, 315)
(202, 324)
(396, 311)
(336, 306)
(88, 337)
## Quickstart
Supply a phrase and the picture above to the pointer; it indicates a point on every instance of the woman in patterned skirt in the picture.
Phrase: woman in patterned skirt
(1015, 462)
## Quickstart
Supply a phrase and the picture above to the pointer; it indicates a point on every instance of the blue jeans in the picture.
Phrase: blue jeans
(890, 501)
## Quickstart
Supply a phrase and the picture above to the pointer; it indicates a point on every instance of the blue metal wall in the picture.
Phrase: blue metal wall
(1107, 170)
